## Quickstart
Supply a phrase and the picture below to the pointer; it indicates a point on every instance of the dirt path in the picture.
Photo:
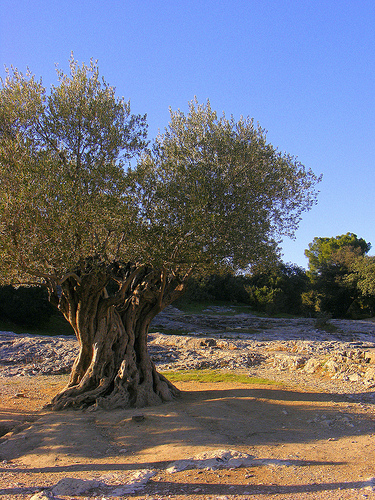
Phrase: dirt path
(291, 444)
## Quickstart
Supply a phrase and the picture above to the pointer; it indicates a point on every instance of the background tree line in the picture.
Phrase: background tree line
(340, 281)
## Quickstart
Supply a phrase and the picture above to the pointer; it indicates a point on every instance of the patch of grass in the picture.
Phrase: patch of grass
(214, 376)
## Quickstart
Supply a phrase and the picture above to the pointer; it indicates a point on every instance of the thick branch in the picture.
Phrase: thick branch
(70, 275)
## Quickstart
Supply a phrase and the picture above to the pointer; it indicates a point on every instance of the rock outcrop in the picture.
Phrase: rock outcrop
(221, 339)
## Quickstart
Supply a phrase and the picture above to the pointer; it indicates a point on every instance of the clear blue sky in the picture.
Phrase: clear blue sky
(305, 70)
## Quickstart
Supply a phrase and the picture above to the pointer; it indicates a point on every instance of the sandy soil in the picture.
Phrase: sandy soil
(303, 444)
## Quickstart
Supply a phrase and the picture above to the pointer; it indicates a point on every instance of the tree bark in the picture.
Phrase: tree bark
(113, 368)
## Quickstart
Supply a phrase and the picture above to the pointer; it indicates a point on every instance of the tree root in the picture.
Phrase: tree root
(116, 395)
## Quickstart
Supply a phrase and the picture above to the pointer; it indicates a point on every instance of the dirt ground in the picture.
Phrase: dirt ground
(303, 444)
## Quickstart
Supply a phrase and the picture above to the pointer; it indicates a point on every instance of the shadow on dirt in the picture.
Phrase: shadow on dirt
(208, 418)
(230, 488)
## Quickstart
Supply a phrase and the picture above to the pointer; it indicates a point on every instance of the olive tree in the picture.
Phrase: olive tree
(115, 245)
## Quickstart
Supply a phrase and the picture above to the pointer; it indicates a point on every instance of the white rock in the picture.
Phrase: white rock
(332, 366)
(138, 480)
(74, 486)
(42, 495)
(211, 460)
(370, 373)
(312, 365)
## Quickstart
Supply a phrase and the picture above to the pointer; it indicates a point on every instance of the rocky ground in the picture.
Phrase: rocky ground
(282, 349)
(310, 437)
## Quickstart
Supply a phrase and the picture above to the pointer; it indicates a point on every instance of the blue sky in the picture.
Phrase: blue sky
(305, 70)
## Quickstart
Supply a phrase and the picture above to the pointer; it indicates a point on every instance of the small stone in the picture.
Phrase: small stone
(42, 495)
(327, 423)
(20, 395)
(138, 418)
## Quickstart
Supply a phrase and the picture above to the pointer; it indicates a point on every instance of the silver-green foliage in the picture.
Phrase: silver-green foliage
(64, 192)
(210, 193)
(216, 193)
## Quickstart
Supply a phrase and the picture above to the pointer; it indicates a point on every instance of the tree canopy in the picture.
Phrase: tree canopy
(215, 193)
(64, 192)
(363, 274)
(211, 191)
(323, 251)
(331, 261)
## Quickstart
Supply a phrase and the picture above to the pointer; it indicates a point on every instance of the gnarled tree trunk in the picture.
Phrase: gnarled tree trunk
(113, 368)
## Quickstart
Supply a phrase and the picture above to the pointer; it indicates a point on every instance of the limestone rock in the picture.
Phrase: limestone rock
(214, 340)
(370, 373)
(43, 495)
(212, 460)
(285, 361)
(369, 356)
(312, 365)
(74, 486)
(332, 366)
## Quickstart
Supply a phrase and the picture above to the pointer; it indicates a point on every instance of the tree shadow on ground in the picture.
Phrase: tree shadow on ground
(256, 420)
(197, 489)
(15, 419)
(200, 419)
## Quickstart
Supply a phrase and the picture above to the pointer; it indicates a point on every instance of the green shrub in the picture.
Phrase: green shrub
(277, 290)
(217, 287)
(26, 306)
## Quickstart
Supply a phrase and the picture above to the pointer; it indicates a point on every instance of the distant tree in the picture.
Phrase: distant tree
(115, 246)
(217, 287)
(326, 251)
(364, 269)
(362, 275)
(330, 261)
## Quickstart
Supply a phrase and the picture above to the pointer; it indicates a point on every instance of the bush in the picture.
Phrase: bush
(217, 287)
(278, 289)
(25, 306)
